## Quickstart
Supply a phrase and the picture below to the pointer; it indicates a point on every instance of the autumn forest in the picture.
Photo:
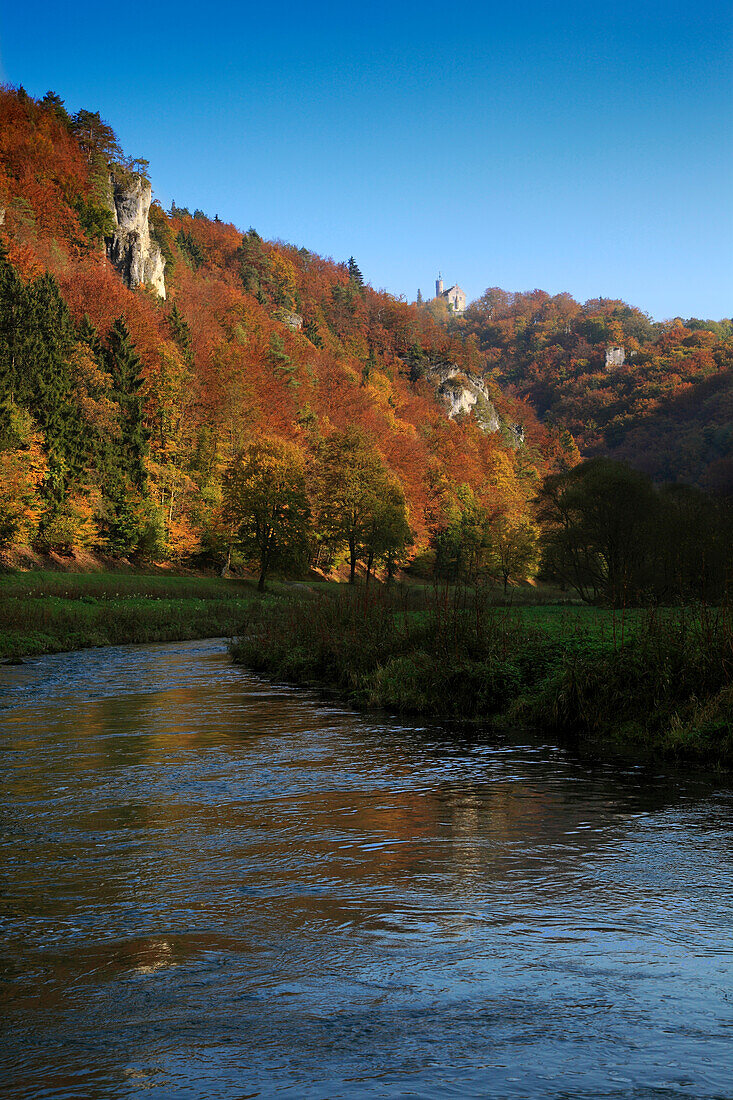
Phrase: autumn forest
(270, 410)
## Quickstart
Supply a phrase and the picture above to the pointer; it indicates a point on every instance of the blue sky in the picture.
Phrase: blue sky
(568, 146)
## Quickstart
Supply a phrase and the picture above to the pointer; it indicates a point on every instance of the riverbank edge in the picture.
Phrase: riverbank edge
(52, 612)
(655, 697)
(522, 714)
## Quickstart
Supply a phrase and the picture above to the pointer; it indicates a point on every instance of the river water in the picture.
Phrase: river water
(218, 887)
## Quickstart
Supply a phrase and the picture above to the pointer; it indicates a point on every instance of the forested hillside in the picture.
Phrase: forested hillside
(668, 409)
(123, 412)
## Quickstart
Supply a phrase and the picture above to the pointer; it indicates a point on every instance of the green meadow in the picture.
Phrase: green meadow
(48, 612)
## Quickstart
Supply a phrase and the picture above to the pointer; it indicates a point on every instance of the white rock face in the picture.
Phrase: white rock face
(615, 356)
(463, 393)
(294, 321)
(131, 250)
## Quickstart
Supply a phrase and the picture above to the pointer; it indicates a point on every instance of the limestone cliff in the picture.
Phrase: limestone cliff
(131, 250)
(463, 393)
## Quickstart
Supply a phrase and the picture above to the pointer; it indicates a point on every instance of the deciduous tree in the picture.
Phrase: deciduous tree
(266, 503)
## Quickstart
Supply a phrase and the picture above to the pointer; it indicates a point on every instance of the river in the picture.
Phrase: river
(218, 887)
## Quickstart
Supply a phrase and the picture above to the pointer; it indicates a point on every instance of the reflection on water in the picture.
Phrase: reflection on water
(217, 887)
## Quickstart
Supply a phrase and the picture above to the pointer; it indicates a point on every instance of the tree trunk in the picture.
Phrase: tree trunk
(264, 564)
(352, 555)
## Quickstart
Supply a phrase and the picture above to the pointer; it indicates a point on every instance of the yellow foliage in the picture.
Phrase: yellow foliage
(22, 473)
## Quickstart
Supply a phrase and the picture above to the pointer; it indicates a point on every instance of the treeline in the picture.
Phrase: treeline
(288, 512)
(617, 539)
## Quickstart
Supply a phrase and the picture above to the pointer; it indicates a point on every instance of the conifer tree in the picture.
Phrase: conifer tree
(355, 274)
(181, 331)
(89, 335)
(312, 333)
(36, 340)
(125, 368)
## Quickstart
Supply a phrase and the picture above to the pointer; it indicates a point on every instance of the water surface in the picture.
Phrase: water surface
(217, 887)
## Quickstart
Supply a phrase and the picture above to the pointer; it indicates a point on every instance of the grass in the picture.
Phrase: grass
(639, 684)
(48, 612)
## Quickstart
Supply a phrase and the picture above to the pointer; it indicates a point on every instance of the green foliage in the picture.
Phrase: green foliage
(192, 251)
(617, 540)
(668, 691)
(54, 103)
(181, 332)
(355, 275)
(36, 340)
(463, 542)
(96, 138)
(96, 218)
(51, 612)
(125, 369)
(266, 504)
(160, 231)
(662, 687)
(359, 506)
(255, 266)
(310, 330)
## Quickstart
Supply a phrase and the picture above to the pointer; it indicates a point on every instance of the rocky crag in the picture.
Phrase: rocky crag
(131, 249)
(463, 393)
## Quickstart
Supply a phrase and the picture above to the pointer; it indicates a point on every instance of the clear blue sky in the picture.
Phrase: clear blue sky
(569, 146)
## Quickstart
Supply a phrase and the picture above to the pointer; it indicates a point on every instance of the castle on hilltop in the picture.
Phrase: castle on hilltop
(454, 296)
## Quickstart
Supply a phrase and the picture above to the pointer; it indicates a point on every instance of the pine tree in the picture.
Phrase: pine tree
(191, 249)
(355, 274)
(89, 335)
(181, 331)
(312, 333)
(125, 368)
(97, 139)
(36, 340)
(368, 367)
(53, 102)
(11, 307)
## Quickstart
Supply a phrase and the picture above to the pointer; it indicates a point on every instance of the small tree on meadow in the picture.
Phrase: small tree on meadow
(387, 531)
(514, 550)
(352, 484)
(266, 503)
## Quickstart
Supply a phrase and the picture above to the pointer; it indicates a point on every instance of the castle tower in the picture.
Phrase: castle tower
(439, 286)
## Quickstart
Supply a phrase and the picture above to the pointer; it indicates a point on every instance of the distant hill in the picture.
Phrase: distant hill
(668, 409)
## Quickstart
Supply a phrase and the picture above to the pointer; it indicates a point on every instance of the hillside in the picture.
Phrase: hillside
(142, 350)
(667, 407)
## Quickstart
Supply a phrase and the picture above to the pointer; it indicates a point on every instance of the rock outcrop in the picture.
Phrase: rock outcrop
(462, 394)
(615, 356)
(516, 435)
(131, 250)
(294, 321)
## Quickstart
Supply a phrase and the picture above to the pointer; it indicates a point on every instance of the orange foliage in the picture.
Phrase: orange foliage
(246, 373)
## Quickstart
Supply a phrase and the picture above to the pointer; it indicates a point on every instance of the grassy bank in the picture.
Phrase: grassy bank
(48, 612)
(640, 684)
